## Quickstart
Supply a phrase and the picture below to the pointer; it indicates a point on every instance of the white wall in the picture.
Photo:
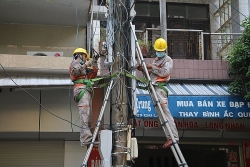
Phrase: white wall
(19, 38)
(59, 103)
(74, 154)
(19, 112)
(244, 11)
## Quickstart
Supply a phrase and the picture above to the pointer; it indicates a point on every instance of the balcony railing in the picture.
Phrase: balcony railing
(191, 44)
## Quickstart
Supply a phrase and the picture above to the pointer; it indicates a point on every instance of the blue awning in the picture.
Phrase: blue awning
(193, 89)
(196, 101)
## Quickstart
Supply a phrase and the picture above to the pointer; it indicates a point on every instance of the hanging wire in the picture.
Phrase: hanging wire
(36, 98)
(212, 14)
(117, 29)
(236, 9)
(224, 12)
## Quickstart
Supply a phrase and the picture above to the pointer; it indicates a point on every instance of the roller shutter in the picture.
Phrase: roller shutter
(31, 153)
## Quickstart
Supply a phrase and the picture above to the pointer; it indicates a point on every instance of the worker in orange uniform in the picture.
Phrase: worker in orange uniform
(82, 69)
(160, 71)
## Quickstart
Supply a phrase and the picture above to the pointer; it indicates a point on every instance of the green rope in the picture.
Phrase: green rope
(162, 86)
(88, 82)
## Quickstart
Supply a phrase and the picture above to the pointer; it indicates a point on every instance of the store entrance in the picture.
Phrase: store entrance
(195, 156)
(154, 157)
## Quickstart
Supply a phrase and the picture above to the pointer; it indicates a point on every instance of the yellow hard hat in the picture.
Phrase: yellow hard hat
(160, 45)
(81, 50)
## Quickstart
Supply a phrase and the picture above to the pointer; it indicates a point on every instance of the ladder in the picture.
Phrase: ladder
(164, 122)
(85, 160)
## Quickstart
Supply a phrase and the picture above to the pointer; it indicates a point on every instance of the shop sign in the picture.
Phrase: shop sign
(197, 107)
(232, 158)
(145, 107)
(94, 158)
(247, 153)
(197, 125)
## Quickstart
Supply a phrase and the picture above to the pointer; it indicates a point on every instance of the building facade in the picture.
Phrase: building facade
(39, 121)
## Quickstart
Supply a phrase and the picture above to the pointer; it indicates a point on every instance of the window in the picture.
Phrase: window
(176, 11)
(197, 12)
(147, 9)
(188, 11)
(179, 16)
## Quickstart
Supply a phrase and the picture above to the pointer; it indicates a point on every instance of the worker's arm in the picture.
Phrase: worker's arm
(163, 71)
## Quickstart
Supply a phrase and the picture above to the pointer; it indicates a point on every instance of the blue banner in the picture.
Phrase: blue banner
(197, 107)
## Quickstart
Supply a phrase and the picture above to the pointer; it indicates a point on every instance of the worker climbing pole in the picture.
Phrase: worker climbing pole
(118, 92)
(120, 39)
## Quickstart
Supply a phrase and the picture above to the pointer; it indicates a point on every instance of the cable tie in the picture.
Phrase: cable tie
(176, 142)
(97, 125)
(119, 153)
(94, 143)
(164, 123)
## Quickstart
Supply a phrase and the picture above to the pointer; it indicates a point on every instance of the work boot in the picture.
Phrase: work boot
(168, 143)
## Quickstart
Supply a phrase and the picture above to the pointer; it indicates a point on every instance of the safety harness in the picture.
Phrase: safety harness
(88, 83)
(163, 85)
(145, 81)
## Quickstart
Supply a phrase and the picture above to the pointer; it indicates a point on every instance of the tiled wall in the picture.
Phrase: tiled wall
(198, 69)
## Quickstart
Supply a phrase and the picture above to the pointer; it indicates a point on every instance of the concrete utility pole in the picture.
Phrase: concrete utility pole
(163, 18)
(119, 91)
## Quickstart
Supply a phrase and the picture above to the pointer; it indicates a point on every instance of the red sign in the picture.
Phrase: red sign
(191, 124)
(94, 158)
(247, 153)
(232, 157)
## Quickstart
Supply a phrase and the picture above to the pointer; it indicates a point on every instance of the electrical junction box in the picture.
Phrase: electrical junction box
(105, 147)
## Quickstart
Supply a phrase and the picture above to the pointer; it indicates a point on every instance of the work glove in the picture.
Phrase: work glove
(140, 68)
(88, 63)
(149, 66)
